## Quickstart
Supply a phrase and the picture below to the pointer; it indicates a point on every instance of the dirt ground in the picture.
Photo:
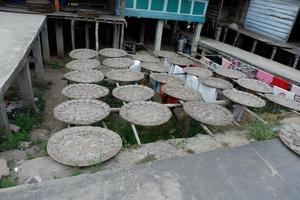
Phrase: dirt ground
(53, 97)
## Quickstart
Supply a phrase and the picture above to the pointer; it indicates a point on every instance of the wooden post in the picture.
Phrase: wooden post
(59, 39)
(38, 60)
(123, 8)
(122, 37)
(254, 46)
(296, 61)
(225, 33)
(25, 87)
(45, 44)
(4, 122)
(218, 33)
(116, 39)
(142, 32)
(87, 36)
(96, 35)
(73, 34)
(236, 39)
(273, 53)
(174, 32)
(158, 34)
(196, 39)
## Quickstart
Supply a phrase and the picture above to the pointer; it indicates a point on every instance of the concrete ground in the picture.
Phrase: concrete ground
(53, 97)
(264, 170)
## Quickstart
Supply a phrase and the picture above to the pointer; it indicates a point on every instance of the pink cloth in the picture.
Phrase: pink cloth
(264, 76)
(226, 63)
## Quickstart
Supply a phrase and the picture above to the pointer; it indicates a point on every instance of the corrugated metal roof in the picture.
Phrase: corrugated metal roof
(272, 18)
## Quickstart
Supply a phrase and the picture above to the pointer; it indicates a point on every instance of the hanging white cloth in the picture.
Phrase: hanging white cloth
(192, 82)
(284, 93)
(136, 66)
(208, 94)
(177, 72)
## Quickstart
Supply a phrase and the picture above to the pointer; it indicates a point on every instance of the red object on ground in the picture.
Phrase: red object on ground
(280, 83)
(166, 99)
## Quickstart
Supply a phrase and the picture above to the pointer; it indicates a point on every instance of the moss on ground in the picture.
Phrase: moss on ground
(260, 131)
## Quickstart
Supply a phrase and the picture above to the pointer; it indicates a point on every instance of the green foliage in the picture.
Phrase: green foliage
(55, 64)
(76, 172)
(8, 182)
(96, 167)
(260, 131)
(41, 151)
(270, 107)
(11, 140)
(172, 129)
(40, 104)
(26, 120)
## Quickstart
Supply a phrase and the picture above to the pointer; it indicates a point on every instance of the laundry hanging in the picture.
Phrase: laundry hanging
(264, 76)
(296, 89)
(280, 83)
(226, 63)
(283, 93)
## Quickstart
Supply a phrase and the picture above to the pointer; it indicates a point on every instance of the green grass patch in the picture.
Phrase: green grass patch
(55, 64)
(26, 120)
(8, 182)
(42, 150)
(76, 172)
(260, 131)
(270, 107)
(11, 140)
(170, 130)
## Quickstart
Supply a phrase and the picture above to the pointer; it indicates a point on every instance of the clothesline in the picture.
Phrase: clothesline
(280, 86)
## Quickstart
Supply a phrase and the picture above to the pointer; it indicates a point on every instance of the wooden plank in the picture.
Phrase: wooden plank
(296, 62)
(236, 39)
(59, 39)
(122, 37)
(196, 39)
(87, 36)
(73, 34)
(254, 46)
(142, 31)
(273, 53)
(45, 44)
(97, 35)
(116, 38)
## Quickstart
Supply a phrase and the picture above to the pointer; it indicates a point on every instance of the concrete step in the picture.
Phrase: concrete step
(264, 170)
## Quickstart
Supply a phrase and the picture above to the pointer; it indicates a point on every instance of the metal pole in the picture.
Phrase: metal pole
(97, 36)
(87, 36)
(73, 34)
